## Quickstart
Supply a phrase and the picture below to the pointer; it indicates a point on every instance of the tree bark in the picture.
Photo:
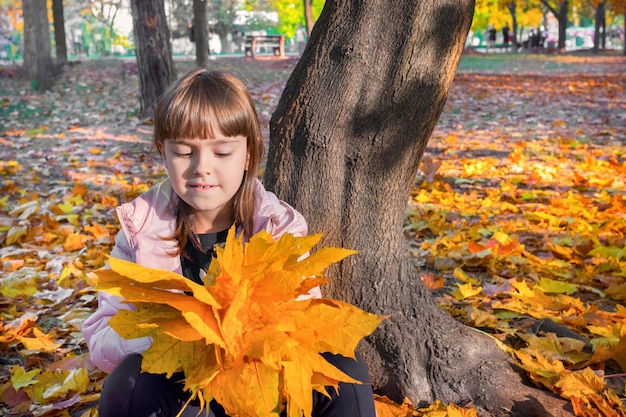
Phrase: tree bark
(59, 31)
(512, 7)
(561, 16)
(345, 145)
(201, 32)
(599, 38)
(154, 52)
(38, 65)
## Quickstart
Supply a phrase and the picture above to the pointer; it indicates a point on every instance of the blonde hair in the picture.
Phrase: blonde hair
(191, 108)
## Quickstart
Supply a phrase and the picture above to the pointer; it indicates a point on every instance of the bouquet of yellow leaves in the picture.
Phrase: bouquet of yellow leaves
(242, 338)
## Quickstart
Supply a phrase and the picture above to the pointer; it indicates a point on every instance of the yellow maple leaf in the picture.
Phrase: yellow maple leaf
(98, 231)
(388, 408)
(20, 282)
(40, 341)
(21, 378)
(75, 241)
(579, 384)
(438, 409)
(458, 411)
(607, 404)
(559, 287)
(54, 385)
(541, 370)
(557, 348)
(243, 338)
(464, 291)
(618, 351)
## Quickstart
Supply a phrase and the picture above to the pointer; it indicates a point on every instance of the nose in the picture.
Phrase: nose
(203, 163)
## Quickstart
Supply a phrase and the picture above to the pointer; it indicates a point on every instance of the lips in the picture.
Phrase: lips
(201, 187)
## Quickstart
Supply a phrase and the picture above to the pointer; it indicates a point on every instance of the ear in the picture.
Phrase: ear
(247, 160)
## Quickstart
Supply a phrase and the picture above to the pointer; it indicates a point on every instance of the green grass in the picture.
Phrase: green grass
(510, 63)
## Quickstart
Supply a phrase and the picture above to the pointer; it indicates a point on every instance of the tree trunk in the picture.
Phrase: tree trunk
(345, 145)
(201, 32)
(38, 65)
(154, 52)
(111, 18)
(308, 16)
(59, 30)
(561, 16)
(512, 6)
(600, 28)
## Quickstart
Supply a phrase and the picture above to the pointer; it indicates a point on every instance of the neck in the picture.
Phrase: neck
(214, 225)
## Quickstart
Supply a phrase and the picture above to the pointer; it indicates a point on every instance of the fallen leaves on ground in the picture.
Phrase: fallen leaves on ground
(518, 217)
(516, 222)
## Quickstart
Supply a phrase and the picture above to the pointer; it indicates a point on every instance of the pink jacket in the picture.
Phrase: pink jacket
(144, 222)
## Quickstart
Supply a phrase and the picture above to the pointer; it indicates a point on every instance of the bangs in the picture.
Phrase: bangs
(200, 105)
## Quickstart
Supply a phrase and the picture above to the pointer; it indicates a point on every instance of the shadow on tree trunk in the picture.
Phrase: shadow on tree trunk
(346, 142)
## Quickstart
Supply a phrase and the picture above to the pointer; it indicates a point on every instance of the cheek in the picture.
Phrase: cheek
(176, 166)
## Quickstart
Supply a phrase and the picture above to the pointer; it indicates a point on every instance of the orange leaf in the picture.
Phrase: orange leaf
(431, 281)
(474, 247)
(11, 265)
(594, 405)
(75, 241)
(40, 341)
(97, 230)
(80, 189)
(387, 408)
(579, 384)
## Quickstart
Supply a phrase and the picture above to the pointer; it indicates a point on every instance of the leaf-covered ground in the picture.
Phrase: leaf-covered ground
(517, 220)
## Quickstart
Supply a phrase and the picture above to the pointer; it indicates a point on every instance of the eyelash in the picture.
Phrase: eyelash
(219, 155)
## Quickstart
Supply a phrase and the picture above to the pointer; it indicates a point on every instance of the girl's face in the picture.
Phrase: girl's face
(206, 174)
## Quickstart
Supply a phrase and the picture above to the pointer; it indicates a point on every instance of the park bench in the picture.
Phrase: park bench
(255, 45)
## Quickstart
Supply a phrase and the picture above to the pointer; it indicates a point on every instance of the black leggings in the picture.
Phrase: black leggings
(128, 392)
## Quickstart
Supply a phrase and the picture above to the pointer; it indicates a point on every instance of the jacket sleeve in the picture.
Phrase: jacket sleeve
(276, 216)
(106, 347)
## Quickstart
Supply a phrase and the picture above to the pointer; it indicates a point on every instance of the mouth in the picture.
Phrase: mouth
(201, 187)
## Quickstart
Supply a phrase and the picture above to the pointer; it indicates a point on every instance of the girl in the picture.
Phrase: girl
(208, 133)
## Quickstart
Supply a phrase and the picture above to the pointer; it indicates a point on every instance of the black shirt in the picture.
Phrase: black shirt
(194, 261)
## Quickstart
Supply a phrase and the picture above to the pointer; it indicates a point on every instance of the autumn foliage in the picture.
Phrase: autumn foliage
(515, 222)
(243, 338)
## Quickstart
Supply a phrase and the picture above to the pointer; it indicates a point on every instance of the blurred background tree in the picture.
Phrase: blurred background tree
(37, 59)
(564, 25)
(96, 28)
